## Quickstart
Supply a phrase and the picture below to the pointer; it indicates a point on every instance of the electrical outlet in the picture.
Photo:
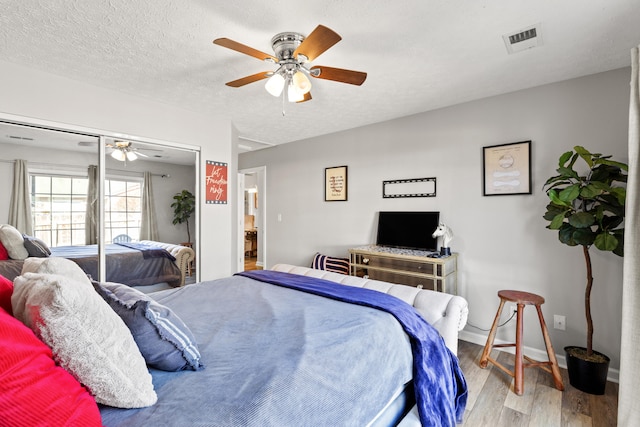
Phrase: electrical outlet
(559, 322)
(512, 307)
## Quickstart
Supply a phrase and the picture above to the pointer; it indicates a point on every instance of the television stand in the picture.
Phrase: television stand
(420, 269)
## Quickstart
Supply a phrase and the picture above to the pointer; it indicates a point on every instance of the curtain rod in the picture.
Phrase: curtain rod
(59, 167)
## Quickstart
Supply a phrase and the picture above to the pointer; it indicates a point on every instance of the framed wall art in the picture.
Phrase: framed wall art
(335, 184)
(506, 169)
(415, 187)
(216, 183)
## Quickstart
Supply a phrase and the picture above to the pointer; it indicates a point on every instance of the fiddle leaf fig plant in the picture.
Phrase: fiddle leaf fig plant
(587, 209)
(183, 207)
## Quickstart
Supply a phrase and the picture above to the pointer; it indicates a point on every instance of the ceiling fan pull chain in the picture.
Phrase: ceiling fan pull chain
(284, 94)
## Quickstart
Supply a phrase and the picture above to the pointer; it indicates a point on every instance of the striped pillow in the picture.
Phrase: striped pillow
(328, 263)
(165, 342)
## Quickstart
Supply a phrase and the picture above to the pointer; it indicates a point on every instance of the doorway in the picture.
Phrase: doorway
(252, 218)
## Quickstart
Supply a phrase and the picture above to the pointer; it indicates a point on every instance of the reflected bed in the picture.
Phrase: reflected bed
(152, 263)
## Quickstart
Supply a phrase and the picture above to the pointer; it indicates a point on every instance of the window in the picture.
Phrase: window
(123, 201)
(59, 206)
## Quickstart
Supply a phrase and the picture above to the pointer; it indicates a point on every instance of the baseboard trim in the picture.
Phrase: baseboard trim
(534, 353)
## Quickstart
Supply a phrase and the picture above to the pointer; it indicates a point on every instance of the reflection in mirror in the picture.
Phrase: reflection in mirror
(56, 182)
(140, 180)
(45, 172)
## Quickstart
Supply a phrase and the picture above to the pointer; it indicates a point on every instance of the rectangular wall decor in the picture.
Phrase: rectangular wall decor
(216, 183)
(415, 187)
(507, 169)
(335, 184)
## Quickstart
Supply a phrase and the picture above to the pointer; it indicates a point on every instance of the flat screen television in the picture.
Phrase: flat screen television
(408, 230)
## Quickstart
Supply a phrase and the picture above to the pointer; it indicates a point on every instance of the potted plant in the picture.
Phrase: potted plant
(588, 210)
(183, 207)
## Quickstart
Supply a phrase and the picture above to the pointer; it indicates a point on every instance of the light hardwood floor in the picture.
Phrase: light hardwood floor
(250, 264)
(492, 401)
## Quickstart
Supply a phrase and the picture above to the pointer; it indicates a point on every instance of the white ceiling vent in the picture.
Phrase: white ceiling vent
(527, 38)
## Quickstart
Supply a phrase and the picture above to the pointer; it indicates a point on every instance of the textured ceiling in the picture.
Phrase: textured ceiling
(419, 54)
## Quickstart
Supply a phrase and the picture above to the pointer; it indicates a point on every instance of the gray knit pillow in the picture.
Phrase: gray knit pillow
(86, 337)
(13, 241)
(56, 265)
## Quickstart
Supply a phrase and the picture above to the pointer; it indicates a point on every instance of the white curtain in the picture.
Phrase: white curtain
(91, 215)
(628, 408)
(148, 224)
(20, 205)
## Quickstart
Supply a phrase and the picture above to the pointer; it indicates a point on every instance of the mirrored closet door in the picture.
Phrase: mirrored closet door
(138, 181)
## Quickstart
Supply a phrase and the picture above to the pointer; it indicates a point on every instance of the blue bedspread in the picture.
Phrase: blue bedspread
(148, 251)
(441, 390)
(277, 357)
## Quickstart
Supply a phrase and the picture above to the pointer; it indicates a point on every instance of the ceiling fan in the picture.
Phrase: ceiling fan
(121, 150)
(293, 55)
(124, 150)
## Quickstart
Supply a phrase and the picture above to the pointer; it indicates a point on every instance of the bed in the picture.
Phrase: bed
(277, 356)
(134, 264)
(290, 346)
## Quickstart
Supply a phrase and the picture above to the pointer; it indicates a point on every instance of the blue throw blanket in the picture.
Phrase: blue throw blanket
(148, 251)
(441, 390)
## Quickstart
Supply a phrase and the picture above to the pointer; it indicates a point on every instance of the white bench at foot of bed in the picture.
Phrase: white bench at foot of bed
(447, 313)
(182, 254)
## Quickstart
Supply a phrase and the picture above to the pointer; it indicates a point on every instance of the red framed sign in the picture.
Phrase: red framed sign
(216, 183)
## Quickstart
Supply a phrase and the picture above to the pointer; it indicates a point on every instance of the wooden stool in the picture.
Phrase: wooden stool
(522, 299)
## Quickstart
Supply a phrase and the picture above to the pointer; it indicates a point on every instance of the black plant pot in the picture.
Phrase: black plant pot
(586, 375)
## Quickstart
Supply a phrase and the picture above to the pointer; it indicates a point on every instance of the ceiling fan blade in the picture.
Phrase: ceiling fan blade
(320, 39)
(339, 75)
(250, 79)
(140, 154)
(307, 97)
(239, 47)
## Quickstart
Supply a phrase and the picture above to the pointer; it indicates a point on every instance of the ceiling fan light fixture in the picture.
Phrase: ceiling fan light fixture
(118, 155)
(302, 82)
(131, 156)
(275, 84)
(294, 94)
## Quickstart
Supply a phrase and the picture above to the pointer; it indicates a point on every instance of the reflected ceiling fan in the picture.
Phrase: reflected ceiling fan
(122, 150)
(293, 55)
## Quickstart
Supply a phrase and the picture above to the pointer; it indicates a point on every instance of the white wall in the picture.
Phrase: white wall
(502, 241)
(35, 94)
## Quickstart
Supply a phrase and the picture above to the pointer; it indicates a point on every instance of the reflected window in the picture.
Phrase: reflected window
(58, 206)
(123, 201)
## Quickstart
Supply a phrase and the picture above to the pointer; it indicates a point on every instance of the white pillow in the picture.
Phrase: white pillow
(13, 241)
(56, 265)
(86, 336)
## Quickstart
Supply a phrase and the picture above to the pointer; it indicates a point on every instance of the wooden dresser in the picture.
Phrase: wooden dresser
(405, 267)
